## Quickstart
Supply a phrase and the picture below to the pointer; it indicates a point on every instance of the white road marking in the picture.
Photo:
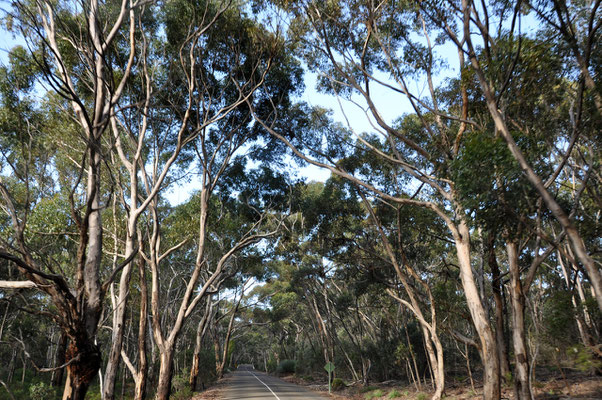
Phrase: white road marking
(264, 384)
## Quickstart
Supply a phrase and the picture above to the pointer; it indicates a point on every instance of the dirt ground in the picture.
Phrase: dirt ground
(554, 388)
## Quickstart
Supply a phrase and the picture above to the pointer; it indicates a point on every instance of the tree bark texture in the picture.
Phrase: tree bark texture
(497, 288)
(165, 374)
(521, 354)
(81, 372)
(488, 350)
(57, 375)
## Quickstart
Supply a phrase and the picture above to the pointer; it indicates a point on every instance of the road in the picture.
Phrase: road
(246, 383)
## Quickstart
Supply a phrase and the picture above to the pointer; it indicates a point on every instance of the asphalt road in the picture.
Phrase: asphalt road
(246, 383)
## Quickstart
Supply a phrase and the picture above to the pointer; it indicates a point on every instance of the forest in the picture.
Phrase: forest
(158, 226)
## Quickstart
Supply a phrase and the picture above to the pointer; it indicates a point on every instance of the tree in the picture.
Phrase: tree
(347, 43)
(493, 94)
(60, 51)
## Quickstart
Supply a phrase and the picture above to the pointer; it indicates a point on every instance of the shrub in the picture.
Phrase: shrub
(421, 396)
(393, 394)
(583, 359)
(271, 365)
(41, 391)
(374, 394)
(337, 384)
(180, 387)
(286, 367)
(368, 389)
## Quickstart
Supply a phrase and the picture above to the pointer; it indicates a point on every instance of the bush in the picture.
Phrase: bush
(368, 389)
(374, 394)
(421, 396)
(41, 391)
(180, 386)
(286, 367)
(584, 360)
(393, 394)
(337, 384)
(271, 364)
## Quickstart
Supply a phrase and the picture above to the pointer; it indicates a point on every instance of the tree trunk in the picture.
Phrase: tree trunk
(140, 391)
(488, 350)
(118, 325)
(496, 287)
(229, 334)
(12, 365)
(57, 375)
(521, 381)
(200, 333)
(217, 350)
(226, 345)
(417, 380)
(81, 372)
(194, 371)
(165, 373)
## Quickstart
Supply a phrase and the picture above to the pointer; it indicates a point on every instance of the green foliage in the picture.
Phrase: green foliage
(394, 394)
(374, 394)
(490, 182)
(421, 396)
(180, 386)
(94, 393)
(584, 359)
(41, 391)
(366, 389)
(559, 316)
(272, 365)
(337, 384)
(286, 367)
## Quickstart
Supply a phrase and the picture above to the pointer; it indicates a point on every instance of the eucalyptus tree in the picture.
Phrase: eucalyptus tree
(221, 75)
(467, 25)
(223, 357)
(356, 47)
(147, 137)
(72, 45)
(200, 273)
(503, 202)
(201, 333)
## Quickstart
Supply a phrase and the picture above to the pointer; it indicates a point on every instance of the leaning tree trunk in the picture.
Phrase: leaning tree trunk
(521, 381)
